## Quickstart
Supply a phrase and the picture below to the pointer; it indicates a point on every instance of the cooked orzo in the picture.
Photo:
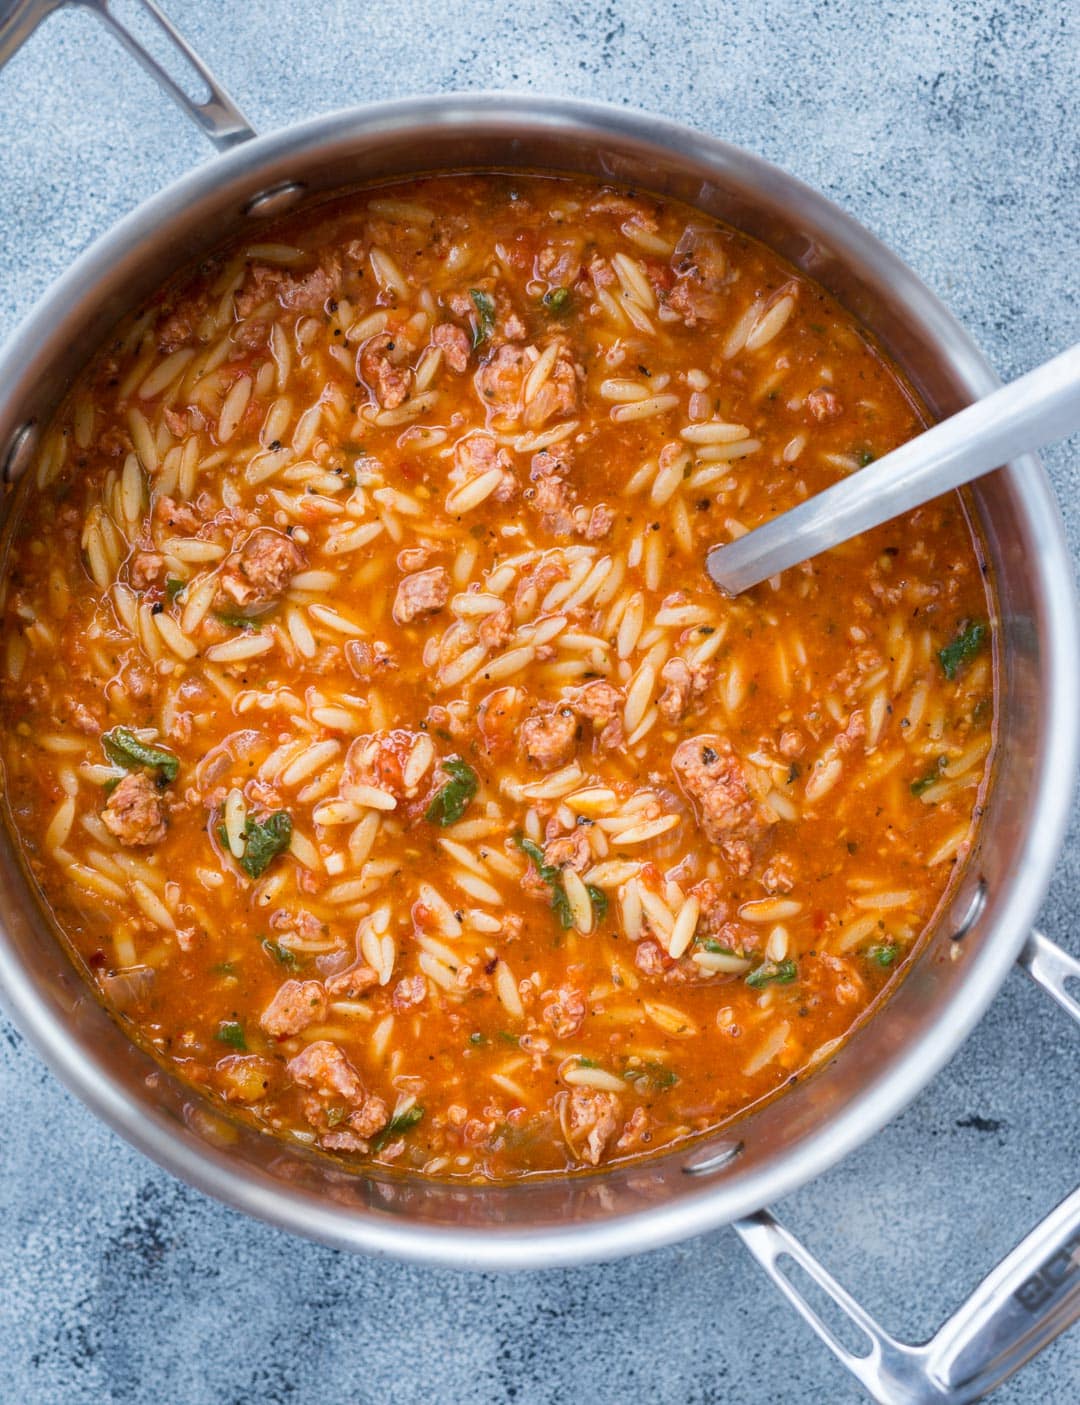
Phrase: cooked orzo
(374, 734)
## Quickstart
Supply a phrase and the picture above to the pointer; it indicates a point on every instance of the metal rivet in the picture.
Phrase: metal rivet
(274, 201)
(972, 912)
(712, 1158)
(20, 451)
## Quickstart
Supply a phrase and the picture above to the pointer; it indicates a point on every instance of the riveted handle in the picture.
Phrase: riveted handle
(1029, 1299)
(216, 115)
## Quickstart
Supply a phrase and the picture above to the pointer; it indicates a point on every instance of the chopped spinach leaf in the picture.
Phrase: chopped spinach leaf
(405, 1122)
(263, 841)
(508, 1038)
(123, 748)
(281, 954)
(534, 852)
(449, 804)
(560, 904)
(599, 900)
(884, 954)
(557, 300)
(657, 1074)
(962, 649)
(583, 1062)
(237, 621)
(552, 877)
(173, 587)
(780, 972)
(925, 782)
(485, 316)
(717, 948)
(231, 1033)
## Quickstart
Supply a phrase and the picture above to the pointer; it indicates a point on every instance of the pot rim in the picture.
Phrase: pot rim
(211, 1170)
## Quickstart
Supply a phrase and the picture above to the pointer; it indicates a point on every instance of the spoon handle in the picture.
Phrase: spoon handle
(1040, 407)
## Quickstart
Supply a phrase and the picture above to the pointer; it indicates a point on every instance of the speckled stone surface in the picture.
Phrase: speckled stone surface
(949, 128)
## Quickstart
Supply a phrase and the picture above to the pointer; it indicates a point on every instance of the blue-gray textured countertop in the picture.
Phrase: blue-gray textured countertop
(951, 129)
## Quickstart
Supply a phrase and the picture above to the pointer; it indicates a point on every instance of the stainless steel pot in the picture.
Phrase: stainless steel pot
(1035, 1292)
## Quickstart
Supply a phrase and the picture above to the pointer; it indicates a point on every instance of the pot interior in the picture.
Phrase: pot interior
(962, 961)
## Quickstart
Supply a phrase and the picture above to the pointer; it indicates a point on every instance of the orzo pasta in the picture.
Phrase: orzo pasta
(371, 727)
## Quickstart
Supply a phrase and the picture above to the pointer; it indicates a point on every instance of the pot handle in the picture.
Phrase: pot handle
(1023, 1304)
(217, 115)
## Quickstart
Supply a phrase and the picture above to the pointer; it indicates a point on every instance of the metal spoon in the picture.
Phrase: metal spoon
(1040, 407)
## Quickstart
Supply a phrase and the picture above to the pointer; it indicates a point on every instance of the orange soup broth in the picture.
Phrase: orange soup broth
(395, 525)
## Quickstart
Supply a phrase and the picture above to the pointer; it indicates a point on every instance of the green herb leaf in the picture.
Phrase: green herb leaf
(123, 748)
(232, 1034)
(173, 587)
(336, 1115)
(397, 1125)
(508, 1038)
(552, 877)
(485, 316)
(717, 948)
(599, 900)
(237, 621)
(557, 300)
(778, 972)
(560, 904)
(657, 1074)
(925, 782)
(449, 804)
(962, 649)
(583, 1062)
(534, 852)
(477, 1038)
(263, 841)
(883, 955)
(864, 457)
(281, 954)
